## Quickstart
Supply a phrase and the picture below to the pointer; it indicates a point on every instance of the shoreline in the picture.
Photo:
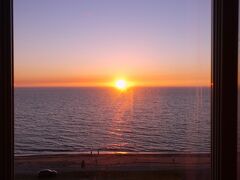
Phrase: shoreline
(95, 152)
(115, 165)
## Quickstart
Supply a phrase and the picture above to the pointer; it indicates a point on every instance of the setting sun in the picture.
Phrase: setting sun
(121, 84)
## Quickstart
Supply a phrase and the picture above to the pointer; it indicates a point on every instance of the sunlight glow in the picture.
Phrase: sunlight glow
(121, 84)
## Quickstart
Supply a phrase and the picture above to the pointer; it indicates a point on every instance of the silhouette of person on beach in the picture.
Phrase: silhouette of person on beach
(83, 165)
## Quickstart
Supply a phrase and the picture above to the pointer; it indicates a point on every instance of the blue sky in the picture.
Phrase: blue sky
(87, 42)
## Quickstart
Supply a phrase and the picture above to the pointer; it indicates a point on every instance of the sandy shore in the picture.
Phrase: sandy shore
(117, 166)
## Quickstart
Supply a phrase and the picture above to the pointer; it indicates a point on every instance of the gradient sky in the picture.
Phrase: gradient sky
(94, 42)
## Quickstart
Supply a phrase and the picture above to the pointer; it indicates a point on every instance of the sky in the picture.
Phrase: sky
(95, 42)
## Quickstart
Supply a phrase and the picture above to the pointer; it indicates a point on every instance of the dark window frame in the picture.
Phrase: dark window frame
(6, 91)
(224, 89)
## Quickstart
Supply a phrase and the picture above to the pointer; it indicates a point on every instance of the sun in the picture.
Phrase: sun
(121, 84)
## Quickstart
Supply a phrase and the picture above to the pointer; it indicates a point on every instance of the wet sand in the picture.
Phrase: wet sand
(116, 166)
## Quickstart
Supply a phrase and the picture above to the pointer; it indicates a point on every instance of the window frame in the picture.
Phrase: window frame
(6, 91)
(224, 90)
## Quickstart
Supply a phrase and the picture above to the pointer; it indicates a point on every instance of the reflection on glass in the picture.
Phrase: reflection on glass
(113, 89)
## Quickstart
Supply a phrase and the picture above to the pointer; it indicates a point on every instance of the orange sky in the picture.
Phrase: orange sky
(64, 80)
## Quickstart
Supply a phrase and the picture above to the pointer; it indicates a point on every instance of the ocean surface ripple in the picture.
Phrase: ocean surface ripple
(71, 120)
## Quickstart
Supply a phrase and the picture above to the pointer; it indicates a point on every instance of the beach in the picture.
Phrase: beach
(116, 166)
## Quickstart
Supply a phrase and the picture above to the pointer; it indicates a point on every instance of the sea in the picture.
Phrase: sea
(137, 120)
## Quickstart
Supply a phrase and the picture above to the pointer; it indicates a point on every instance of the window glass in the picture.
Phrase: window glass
(108, 86)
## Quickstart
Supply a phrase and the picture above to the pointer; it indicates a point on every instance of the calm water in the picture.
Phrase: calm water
(60, 120)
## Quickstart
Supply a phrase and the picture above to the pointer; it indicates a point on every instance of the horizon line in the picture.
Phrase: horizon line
(209, 86)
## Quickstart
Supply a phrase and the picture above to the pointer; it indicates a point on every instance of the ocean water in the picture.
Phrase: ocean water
(72, 120)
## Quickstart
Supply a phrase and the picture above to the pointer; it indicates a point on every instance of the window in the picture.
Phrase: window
(113, 77)
(6, 99)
